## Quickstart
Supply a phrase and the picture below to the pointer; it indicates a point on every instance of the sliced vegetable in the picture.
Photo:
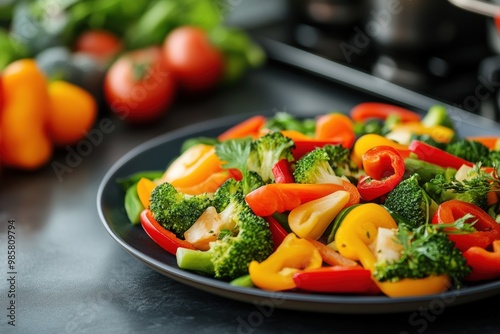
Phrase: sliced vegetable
(281, 197)
(336, 279)
(358, 231)
(436, 156)
(278, 232)
(487, 229)
(303, 146)
(384, 167)
(144, 189)
(282, 172)
(485, 264)
(133, 205)
(193, 166)
(335, 126)
(164, 238)
(292, 256)
(368, 141)
(310, 220)
(331, 256)
(367, 110)
(403, 132)
(248, 128)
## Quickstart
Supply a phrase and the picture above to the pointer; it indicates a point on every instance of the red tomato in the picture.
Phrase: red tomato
(99, 43)
(139, 86)
(196, 64)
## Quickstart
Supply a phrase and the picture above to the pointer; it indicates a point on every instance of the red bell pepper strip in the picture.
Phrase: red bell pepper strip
(281, 197)
(367, 110)
(282, 172)
(305, 146)
(485, 264)
(163, 237)
(437, 156)
(278, 232)
(384, 167)
(487, 229)
(336, 279)
(248, 128)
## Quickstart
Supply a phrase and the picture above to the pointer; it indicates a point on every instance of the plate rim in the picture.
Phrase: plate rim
(313, 302)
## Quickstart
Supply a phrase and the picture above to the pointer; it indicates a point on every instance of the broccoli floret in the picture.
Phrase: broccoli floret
(340, 161)
(235, 153)
(438, 115)
(469, 150)
(473, 190)
(314, 167)
(175, 210)
(427, 251)
(411, 201)
(370, 126)
(285, 121)
(248, 239)
(267, 151)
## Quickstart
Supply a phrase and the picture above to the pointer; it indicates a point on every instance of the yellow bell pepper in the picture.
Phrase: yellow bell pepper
(292, 255)
(311, 219)
(368, 141)
(402, 132)
(359, 230)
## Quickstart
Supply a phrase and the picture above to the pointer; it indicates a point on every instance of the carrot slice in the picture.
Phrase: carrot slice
(144, 189)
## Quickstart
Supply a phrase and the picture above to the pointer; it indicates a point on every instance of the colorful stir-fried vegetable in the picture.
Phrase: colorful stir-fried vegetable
(383, 202)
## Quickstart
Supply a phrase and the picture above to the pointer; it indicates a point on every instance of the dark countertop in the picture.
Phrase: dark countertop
(72, 277)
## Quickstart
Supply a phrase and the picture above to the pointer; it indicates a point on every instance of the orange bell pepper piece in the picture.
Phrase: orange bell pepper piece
(276, 272)
(335, 126)
(192, 167)
(25, 144)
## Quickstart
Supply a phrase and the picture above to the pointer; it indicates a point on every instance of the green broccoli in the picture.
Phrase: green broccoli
(235, 153)
(427, 251)
(473, 190)
(175, 210)
(438, 115)
(285, 121)
(469, 150)
(247, 239)
(411, 201)
(314, 167)
(375, 126)
(267, 151)
(341, 162)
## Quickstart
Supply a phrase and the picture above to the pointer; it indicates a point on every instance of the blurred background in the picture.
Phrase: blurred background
(447, 50)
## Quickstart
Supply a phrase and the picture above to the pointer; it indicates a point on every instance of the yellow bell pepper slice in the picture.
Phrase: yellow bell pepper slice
(402, 132)
(292, 255)
(310, 220)
(359, 230)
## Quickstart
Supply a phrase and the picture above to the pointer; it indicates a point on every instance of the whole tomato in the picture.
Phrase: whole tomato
(100, 44)
(139, 86)
(196, 64)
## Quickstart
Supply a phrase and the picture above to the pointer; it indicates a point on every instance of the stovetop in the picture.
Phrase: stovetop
(458, 76)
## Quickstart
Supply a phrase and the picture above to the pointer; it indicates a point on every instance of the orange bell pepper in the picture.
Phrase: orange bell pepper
(248, 128)
(335, 126)
(25, 143)
(276, 272)
(281, 197)
(192, 167)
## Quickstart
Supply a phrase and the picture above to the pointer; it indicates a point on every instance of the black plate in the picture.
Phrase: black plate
(155, 155)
